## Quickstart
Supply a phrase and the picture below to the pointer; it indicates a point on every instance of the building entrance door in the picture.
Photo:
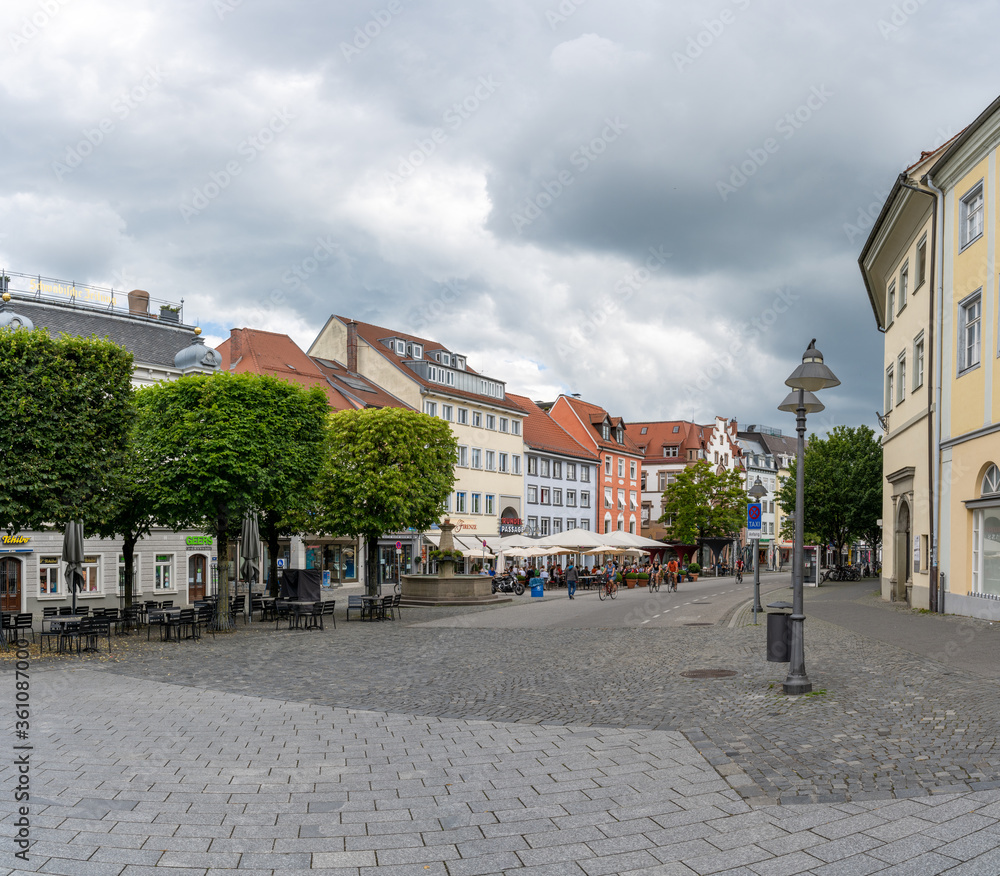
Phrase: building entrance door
(10, 584)
(196, 577)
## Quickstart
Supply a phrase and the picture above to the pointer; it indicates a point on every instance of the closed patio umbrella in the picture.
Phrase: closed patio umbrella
(72, 554)
(250, 556)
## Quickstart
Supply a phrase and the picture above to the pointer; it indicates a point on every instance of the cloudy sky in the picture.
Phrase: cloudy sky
(654, 204)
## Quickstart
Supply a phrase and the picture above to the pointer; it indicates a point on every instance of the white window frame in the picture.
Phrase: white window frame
(491, 504)
(545, 467)
(532, 494)
(491, 460)
(477, 457)
(491, 422)
(533, 465)
(476, 503)
(544, 525)
(584, 474)
(571, 498)
(463, 455)
(608, 497)
(556, 469)
(557, 497)
(901, 378)
(571, 471)
(904, 282)
(159, 586)
(515, 462)
(463, 416)
(477, 419)
(621, 468)
(584, 499)
(504, 463)
(921, 262)
(889, 388)
(918, 361)
(447, 412)
(971, 213)
(460, 502)
(515, 427)
(48, 566)
(890, 315)
(633, 468)
(970, 355)
(607, 466)
(504, 424)
(544, 496)
(621, 500)
(430, 408)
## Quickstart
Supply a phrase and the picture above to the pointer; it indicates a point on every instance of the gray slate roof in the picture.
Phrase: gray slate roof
(151, 341)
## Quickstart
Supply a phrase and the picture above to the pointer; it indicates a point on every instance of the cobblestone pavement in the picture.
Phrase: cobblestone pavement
(587, 750)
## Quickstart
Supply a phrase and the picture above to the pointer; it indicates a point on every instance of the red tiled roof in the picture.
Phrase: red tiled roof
(374, 335)
(594, 414)
(688, 436)
(541, 432)
(362, 391)
(263, 352)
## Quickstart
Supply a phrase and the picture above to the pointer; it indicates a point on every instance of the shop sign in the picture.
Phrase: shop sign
(197, 541)
(465, 526)
(511, 525)
(15, 539)
(15, 544)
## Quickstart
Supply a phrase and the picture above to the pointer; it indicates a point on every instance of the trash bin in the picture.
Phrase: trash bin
(537, 587)
(779, 633)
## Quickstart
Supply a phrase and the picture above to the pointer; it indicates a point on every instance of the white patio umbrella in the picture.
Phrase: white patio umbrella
(573, 540)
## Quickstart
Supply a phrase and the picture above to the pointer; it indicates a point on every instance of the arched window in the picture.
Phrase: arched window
(991, 481)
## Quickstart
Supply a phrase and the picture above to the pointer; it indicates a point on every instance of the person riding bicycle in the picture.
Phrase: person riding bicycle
(672, 569)
(739, 569)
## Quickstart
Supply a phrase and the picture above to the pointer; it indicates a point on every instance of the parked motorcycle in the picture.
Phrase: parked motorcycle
(508, 584)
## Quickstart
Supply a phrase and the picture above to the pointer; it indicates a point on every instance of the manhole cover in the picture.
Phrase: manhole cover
(697, 624)
(709, 673)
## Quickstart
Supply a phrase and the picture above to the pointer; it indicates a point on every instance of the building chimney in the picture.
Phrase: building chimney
(235, 346)
(352, 347)
(138, 302)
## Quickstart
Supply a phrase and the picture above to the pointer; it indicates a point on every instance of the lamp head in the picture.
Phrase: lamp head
(812, 375)
(791, 403)
(758, 490)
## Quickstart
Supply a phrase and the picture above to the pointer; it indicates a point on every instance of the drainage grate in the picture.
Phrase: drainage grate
(709, 673)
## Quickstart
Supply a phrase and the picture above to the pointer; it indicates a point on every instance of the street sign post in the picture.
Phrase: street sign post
(753, 519)
(753, 532)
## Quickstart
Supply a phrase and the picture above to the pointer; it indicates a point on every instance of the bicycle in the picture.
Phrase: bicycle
(739, 576)
(654, 583)
(608, 588)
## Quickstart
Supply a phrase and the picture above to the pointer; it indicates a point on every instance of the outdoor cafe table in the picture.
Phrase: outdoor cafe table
(370, 606)
(170, 616)
(296, 608)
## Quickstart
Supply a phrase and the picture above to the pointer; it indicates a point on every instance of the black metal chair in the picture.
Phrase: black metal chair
(50, 611)
(167, 603)
(239, 607)
(155, 618)
(206, 617)
(385, 606)
(355, 603)
(328, 611)
(188, 620)
(65, 610)
(22, 622)
(93, 629)
(314, 620)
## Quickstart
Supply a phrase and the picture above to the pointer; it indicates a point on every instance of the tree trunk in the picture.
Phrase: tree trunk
(128, 554)
(271, 537)
(223, 609)
(371, 565)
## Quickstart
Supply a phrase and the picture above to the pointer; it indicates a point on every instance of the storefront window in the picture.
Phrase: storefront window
(338, 560)
(48, 576)
(91, 575)
(161, 571)
(986, 551)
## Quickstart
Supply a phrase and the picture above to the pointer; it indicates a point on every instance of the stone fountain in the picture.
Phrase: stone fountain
(447, 588)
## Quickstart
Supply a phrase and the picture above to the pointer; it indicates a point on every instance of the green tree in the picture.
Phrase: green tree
(843, 487)
(386, 470)
(65, 414)
(223, 444)
(133, 513)
(702, 502)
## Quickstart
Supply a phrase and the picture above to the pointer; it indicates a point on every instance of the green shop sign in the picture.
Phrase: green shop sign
(198, 539)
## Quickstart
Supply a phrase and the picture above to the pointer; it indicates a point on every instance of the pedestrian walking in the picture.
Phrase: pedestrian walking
(571, 579)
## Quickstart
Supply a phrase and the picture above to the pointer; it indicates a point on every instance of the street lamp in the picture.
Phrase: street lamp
(757, 492)
(812, 375)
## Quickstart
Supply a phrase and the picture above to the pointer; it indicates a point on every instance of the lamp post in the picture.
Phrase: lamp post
(757, 492)
(811, 376)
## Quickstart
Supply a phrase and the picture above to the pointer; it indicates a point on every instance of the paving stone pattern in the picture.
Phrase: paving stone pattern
(132, 775)
(461, 751)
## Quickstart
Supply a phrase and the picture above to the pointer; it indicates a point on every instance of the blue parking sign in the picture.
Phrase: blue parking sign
(753, 519)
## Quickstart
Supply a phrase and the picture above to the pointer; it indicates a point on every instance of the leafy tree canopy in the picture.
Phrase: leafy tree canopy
(65, 413)
(703, 502)
(223, 444)
(843, 486)
(386, 470)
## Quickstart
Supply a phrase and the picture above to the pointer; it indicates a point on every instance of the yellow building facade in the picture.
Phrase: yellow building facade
(931, 271)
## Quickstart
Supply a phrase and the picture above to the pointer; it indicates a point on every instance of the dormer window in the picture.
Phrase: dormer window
(620, 435)
(460, 362)
(605, 431)
(418, 351)
(401, 348)
(445, 359)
